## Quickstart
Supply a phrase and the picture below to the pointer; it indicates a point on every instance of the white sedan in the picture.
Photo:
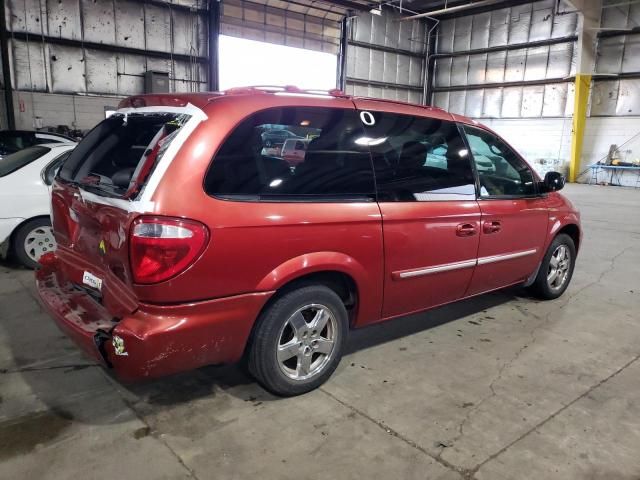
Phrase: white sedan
(25, 184)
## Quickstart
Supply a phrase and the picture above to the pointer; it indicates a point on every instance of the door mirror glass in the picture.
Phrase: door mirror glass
(553, 181)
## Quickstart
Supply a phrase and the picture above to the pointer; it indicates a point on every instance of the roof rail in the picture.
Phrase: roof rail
(400, 102)
(284, 89)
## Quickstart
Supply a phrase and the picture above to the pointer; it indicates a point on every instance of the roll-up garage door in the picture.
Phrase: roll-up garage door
(302, 24)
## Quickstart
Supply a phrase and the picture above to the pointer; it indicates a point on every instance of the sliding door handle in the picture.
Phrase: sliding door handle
(491, 227)
(466, 230)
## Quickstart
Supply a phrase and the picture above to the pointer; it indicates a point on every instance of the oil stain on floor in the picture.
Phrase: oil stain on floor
(22, 434)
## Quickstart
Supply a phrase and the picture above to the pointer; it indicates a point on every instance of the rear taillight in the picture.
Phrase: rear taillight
(163, 247)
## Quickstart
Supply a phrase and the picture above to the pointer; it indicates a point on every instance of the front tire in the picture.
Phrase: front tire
(32, 240)
(299, 340)
(556, 269)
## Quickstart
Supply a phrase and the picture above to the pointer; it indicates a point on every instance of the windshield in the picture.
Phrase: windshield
(16, 161)
(120, 153)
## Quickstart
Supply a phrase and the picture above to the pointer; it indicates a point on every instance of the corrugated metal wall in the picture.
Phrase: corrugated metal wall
(311, 26)
(480, 72)
(386, 57)
(618, 55)
(63, 46)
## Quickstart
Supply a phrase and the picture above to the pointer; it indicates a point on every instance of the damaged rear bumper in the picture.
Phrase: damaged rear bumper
(155, 340)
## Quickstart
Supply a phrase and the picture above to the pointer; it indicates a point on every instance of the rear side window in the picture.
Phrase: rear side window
(121, 148)
(16, 161)
(418, 159)
(332, 163)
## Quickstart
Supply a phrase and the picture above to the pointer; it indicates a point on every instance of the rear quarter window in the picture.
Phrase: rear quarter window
(333, 165)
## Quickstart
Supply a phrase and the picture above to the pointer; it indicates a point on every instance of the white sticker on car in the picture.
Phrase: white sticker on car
(367, 118)
(92, 281)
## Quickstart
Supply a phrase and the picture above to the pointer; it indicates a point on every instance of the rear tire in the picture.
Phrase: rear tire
(32, 240)
(556, 268)
(298, 340)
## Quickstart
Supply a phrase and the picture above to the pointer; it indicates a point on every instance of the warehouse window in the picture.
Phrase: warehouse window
(257, 163)
(418, 159)
(501, 171)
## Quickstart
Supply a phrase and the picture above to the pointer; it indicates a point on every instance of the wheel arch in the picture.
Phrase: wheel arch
(340, 282)
(568, 223)
(337, 271)
(573, 231)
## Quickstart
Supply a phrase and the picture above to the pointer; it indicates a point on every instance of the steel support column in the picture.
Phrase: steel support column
(6, 69)
(214, 33)
(341, 81)
(588, 25)
(430, 62)
(582, 89)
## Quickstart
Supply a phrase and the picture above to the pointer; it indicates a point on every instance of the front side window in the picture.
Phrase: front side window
(500, 170)
(294, 153)
(418, 159)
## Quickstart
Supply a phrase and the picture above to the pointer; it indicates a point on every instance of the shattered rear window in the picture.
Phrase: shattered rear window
(120, 153)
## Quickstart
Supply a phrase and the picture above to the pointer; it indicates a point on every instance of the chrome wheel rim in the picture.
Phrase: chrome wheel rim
(559, 264)
(39, 241)
(307, 341)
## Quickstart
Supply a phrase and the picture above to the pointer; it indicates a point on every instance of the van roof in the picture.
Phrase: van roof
(202, 99)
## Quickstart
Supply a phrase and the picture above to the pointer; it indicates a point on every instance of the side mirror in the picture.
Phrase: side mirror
(553, 181)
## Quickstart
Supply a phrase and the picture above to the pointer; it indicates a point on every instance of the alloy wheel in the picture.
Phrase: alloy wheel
(307, 342)
(559, 265)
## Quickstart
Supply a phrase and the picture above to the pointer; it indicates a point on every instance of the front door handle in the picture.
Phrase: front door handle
(466, 230)
(493, 226)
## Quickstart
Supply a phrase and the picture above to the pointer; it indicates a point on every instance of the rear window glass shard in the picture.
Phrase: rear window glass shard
(121, 152)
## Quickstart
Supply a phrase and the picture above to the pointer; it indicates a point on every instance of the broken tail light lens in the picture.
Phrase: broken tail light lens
(162, 247)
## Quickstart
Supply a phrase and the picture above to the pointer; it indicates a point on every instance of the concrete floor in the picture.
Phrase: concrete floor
(497, 387)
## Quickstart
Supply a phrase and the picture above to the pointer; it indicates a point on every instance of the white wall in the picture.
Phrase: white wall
(600, 133)
(74, 111)
(546, 143)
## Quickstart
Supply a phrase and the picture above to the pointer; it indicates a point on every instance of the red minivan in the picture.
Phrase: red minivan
(184, 241)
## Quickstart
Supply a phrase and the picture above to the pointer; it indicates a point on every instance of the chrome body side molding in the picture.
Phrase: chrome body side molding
(448, 267)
